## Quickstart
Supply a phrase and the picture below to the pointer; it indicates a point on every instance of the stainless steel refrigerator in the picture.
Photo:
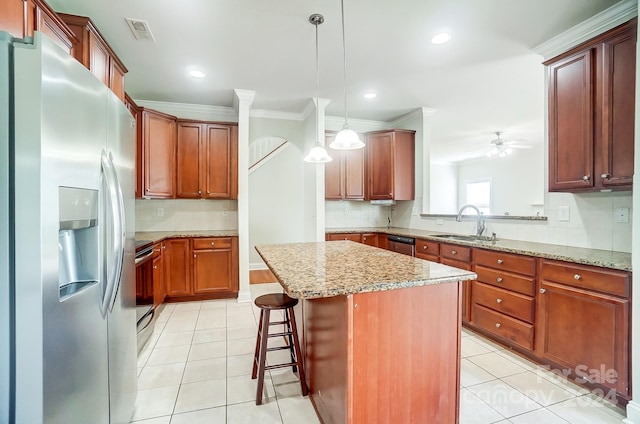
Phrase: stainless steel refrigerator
(67, 277)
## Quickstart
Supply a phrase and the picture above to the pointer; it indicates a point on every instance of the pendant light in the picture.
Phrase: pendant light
(346, 139)
(318, 153)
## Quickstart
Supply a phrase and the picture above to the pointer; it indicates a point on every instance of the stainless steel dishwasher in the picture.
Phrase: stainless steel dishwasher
(401, 244)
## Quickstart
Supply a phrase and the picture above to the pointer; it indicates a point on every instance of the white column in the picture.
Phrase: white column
(242, 103)
(633, 408)
(427, 118)
(320, 212)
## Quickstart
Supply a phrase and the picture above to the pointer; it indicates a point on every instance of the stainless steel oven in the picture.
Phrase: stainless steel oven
(144, 292)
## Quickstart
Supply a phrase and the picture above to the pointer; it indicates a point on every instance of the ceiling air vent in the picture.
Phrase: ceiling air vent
(140, 29)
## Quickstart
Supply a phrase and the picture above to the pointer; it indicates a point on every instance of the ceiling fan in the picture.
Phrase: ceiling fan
(503, 148)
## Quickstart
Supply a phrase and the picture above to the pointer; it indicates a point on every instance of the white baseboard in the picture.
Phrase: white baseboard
(633, 413)
(244, 296)
(257, 266)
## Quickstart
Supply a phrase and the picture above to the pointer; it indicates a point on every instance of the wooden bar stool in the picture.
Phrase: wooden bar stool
(274, 302)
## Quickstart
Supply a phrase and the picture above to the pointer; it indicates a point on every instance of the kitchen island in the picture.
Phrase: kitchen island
(380, 333)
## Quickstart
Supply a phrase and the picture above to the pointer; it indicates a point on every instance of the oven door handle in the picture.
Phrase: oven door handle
(144, 258)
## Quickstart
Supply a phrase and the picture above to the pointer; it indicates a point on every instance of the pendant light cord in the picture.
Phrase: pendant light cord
(317, 84)
(344, 55)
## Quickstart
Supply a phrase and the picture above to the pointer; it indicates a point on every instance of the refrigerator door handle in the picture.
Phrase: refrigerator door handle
(115, 208)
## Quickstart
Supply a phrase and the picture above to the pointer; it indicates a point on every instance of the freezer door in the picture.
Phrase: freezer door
(122, 317)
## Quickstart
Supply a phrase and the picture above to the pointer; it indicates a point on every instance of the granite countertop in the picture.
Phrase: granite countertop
(156, 236)
(315, 270)
(595, 257)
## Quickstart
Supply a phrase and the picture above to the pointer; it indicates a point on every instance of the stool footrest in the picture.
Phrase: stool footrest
(271, 349)
(277, 322)
(272, 367)
(286, 333)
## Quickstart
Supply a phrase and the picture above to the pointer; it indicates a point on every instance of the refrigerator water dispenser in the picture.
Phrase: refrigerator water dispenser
(78, 240)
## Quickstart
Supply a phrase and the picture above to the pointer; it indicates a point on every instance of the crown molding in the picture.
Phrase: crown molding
(192, 111)
(360, 125)
(275, 114)
(420, 113)
(609, 18)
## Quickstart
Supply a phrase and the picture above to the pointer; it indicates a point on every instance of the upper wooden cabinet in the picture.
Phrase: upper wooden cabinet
(158, 144)
(207, 160)
(21, 18)
(344, 176)
(591, 113)
(95, 53)
(391, 165)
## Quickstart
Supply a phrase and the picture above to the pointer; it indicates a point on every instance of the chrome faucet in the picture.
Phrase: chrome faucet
(480, 227)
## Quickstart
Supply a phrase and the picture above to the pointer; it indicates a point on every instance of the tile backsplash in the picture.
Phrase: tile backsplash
(185, 214)
(592, 221)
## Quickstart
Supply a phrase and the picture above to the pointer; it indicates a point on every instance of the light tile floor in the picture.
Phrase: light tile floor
(196, 369)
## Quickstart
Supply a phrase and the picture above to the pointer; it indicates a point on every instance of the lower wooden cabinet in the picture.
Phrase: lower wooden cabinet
(370, 239)
(201, 268)
(357, 237)
(159, 289)
(583, 323)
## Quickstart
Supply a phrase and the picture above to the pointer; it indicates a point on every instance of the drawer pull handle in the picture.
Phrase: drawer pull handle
(500, 261)
(499, 300)
(586, 178)
(453, 252)
(425, 247)
(577, 277)
(543, 291)
(498, 325)
(499, 279)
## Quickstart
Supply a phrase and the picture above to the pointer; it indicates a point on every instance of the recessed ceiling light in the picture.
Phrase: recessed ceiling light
(196, 74)
(369, 95)
(441, 38)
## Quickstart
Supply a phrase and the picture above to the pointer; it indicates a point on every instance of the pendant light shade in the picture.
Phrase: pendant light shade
(346, 139)
(318, 153)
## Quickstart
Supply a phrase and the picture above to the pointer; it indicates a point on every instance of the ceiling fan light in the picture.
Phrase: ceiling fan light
(508, 150)
(318, 154)
(347, 139)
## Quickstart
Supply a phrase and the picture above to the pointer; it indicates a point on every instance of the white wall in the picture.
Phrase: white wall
(517, 181)
(444, 188)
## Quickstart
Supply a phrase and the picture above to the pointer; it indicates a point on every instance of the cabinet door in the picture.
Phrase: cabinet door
(159, 135)
(188, 166)
(333, 179)
(98, 59)
(47, 22)
(159, 289)
(220, 168)
(571, 122)
(116, 78)
(586, 333)
(353, 174)
(619, 77)
(380, 148)
(370, 239)
(211, 271)
(176, 267)
(13, 18)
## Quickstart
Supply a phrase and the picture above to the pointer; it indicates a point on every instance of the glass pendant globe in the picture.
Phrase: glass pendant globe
(346, 139)
(318, 154)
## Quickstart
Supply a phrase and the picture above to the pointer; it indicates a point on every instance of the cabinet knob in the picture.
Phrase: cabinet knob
(155, 267)
(499, 300)
(147, 190)
(605, 176)
(498, 325)
(199, 192)
(453, 252)
(164, 247)
(212, 243)
(543, 291)
(194, 255)
(364, 238)
(499, 279)
(586, 178)
(500, 261)
(577, 277)
(208, 192)
(425, 247)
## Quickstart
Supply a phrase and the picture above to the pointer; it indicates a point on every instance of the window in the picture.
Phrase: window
(479, 194)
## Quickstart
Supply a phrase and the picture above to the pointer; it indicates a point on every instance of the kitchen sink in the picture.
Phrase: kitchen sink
(462, 237)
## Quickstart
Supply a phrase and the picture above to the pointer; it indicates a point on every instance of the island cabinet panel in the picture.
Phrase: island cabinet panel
(158, 132)
(177, 267)
(584, 331)
(362, 367)
(391, 165)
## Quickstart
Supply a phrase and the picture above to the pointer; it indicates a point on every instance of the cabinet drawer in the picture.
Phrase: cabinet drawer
(513, 304)
(157, 250)
(455, 252)
(211, 243)
(370, 239)
(344, 236)
(503, 326)
(599, 279)
(426, 248)
(456, 264)
(506, 280)
(506, 261)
